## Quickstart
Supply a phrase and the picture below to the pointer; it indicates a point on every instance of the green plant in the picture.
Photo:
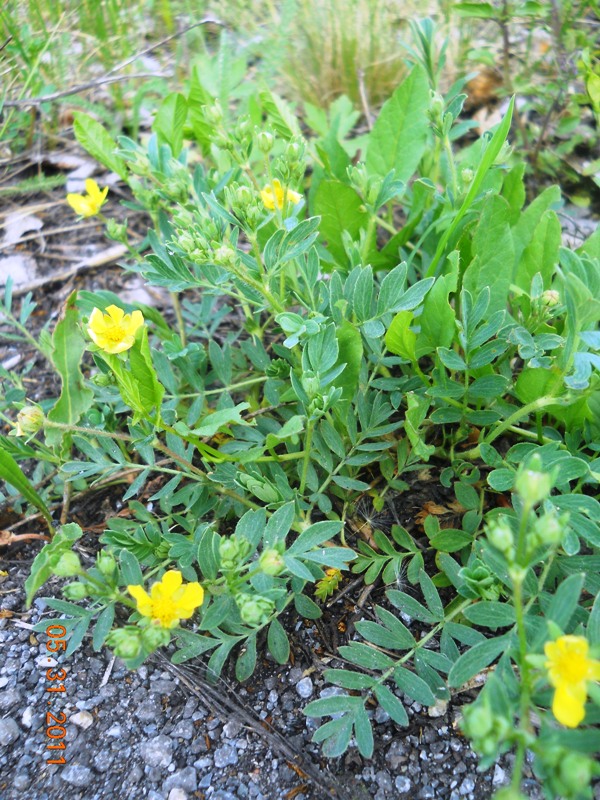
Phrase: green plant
(410, 310)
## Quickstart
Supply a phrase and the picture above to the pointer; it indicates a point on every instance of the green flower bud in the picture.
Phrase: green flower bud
(154, 636)
(102, 379)
(106, 564)
(533, 486)
(30, 420)
(75, 591)
(478, 720)
(229, 551)
(436, 106)
(224, 256)
(243, 196)
(271, 562)
(125, 642)
(466, 176)
(68, 565)
(116, 231)
(575, 772)
(293, 152)
(254, 609)
(265, 142)
(501, 537)
(310, 383)
(550, 298)
(214, 113)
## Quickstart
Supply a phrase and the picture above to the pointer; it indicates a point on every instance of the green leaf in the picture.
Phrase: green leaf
(341, 209)
(98, 142)
(438, 318)
(492, 249)
(391, 704)
(130, 569)
(432, 598)
(541, 254)
(363, 733)
(12, 473)
(278, 643)
(415, 416)
(477, 658)
(404, 602)
(399, 338)
(79, 631)
(361, 655)
(593, 626)
(48, 557)
(68, 346)
(413, 686)
(451, 359)
(350, 352)
(329, 705)
(169, 121)
(492, 151)
(490, 614)
(246, 661)
(150, 389)
(314, 536)
(306, 607)
(103, 626)
(212, 423)
(348, 679)
(399, 136)
(565, 600)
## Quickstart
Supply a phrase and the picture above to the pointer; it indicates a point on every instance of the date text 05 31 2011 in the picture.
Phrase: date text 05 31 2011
(55, 730)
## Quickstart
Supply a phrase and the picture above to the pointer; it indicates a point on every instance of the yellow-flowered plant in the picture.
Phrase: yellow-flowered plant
(569, 670)
(169, 600)
(88, 205)
(114, 331)
(274, 195)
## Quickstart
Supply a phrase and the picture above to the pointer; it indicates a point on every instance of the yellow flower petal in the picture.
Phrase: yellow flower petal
(88, 205)
(568, 705)
(142, 599)
(169, 600)
(114, 331)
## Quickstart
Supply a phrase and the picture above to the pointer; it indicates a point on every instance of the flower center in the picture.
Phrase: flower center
(572, 668)
(115, 333)
(163, 610)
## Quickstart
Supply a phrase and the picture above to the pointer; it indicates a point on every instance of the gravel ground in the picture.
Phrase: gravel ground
(163, 733)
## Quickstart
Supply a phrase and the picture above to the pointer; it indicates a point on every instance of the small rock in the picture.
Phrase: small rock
(83, 719)
(438, 710)
(149, 710)
(403, 785)
(157, 752)
(45, 662)
(9, 731)
(225, 755)
(232, 728)
(9, 698)
(499, 776)
(115, 731)
(381, 715)
(467, 786)
(185, 778)
(183, 730)
(383, 780)
(76, 775)
(304, 688)
(21, 782)
(177, 794)
(27, 718)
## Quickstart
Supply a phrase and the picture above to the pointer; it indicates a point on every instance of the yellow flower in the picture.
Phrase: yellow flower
(569, 669)
(88, 205)
(114, 331)
(274, 195)
(168, 601)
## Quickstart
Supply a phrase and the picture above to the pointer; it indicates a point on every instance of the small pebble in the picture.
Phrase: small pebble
(9, 731)
(304, 688)
(76, 775)
(83, 719)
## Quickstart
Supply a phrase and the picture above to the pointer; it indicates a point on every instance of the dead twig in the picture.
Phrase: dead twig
(105, 257)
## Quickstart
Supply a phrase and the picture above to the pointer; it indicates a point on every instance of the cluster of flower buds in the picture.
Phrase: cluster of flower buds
(254, 608)
(367, 185)
(30, 420)
(233, 551)
(291, 164)
(565, 772)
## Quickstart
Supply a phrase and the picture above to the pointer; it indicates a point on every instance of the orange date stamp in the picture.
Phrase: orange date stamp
(55, 722)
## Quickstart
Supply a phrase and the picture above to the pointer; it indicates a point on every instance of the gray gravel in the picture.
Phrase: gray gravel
(162, 733)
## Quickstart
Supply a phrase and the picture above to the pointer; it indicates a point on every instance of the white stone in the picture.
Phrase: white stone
(83, 719)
